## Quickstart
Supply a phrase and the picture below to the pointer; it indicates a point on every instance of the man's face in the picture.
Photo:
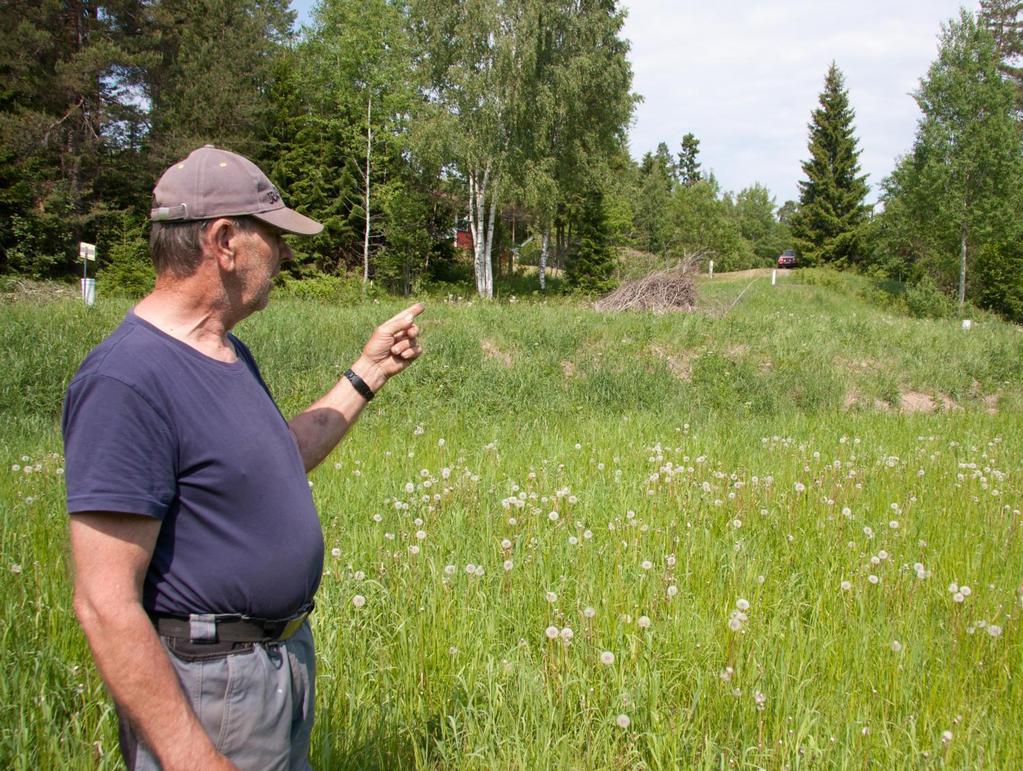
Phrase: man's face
(259, 255)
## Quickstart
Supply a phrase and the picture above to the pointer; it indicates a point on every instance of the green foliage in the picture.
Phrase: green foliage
(42, 241)
(591, 261)
(924, 300)
(831, 204)
(125, 267)
(754, 211)
(328, 289)
(688, 161)
(998, 274)
(703, 224)
(959, 188)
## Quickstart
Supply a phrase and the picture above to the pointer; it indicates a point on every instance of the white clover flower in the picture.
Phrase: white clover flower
(643, 622)
(589, 612)
(358, 600)
(552, 632)
(607, 658)
(622, 721)
(551, 597)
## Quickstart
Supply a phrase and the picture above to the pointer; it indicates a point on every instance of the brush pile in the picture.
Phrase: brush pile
(671, 290)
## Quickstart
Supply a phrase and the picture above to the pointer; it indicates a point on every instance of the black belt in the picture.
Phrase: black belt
(229, 628)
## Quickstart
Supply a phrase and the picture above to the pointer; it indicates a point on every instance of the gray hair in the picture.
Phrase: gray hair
(176, 247)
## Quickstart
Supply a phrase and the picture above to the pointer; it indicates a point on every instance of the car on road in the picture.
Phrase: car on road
(787, 259)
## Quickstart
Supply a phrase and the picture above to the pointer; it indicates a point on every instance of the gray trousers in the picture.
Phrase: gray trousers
(256, 703)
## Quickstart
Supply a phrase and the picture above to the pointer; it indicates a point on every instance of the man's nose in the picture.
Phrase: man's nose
(285, 252)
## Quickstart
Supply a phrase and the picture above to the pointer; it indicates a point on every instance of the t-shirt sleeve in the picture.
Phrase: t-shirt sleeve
(120, 453)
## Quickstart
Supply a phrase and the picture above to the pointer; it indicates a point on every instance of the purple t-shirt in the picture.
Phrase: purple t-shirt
(155, 428)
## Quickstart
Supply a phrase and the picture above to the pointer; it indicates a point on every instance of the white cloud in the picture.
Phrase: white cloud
(744, 78)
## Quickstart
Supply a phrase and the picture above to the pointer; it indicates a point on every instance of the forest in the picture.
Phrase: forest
(462, 143)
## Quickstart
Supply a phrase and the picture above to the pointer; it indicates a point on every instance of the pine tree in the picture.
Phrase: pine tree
(831, 204)
(591, 261)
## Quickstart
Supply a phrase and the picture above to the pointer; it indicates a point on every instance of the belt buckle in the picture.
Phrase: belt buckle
(293, 626)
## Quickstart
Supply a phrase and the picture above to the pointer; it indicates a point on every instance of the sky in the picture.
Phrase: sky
(745, 75)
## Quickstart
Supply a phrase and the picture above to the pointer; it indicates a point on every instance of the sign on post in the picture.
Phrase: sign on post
(87, 254)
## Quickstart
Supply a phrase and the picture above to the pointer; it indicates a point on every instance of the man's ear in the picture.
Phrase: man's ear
(218, 242)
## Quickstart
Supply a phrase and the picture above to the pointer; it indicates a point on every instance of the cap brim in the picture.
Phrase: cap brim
(290, 221)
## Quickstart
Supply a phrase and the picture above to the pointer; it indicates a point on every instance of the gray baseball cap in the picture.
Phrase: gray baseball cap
(212, 183)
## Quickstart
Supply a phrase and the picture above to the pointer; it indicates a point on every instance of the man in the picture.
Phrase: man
(196, 545)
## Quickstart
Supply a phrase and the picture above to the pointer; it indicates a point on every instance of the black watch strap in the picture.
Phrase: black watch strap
(359, 385)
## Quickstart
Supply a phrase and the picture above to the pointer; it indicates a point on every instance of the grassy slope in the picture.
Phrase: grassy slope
(706, 427)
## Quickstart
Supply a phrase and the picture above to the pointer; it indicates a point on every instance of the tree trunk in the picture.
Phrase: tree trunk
(482, 228)
(962, 268)
(369, 150)
(545, 245)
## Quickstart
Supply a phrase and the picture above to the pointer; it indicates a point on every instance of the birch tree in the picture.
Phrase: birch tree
(959, 187)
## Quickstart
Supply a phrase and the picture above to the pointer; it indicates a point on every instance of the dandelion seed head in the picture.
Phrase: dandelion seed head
(552, 632)
(607, 658)
(643, 622)
(622, 721)
(358, 601)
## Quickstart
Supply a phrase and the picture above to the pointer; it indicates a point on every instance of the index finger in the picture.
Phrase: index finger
(406, 317)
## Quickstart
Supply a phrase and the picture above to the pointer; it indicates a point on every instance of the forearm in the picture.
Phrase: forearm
(139, 675)
(319, 428)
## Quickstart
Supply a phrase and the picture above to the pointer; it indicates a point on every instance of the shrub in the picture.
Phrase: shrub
(924, 300)
(127, 270)
(998, 274)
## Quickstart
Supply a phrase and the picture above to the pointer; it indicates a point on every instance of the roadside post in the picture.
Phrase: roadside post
(774, 276)
(712, 268)
(87, 253)
(967, 324)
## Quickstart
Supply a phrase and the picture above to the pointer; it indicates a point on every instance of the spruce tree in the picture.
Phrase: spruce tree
(688, 165)
(591, 261)
(831, 203)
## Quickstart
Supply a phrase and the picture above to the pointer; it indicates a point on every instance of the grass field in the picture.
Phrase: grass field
(780, 533)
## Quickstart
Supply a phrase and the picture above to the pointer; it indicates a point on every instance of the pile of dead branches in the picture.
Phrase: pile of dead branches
(664, 291)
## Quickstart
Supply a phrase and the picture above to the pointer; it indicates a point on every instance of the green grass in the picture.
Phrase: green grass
(752, 447)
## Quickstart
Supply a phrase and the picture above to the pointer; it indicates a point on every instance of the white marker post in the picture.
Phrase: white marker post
(87, 252)
(967, 324)
(712, 268)
(774, 276)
